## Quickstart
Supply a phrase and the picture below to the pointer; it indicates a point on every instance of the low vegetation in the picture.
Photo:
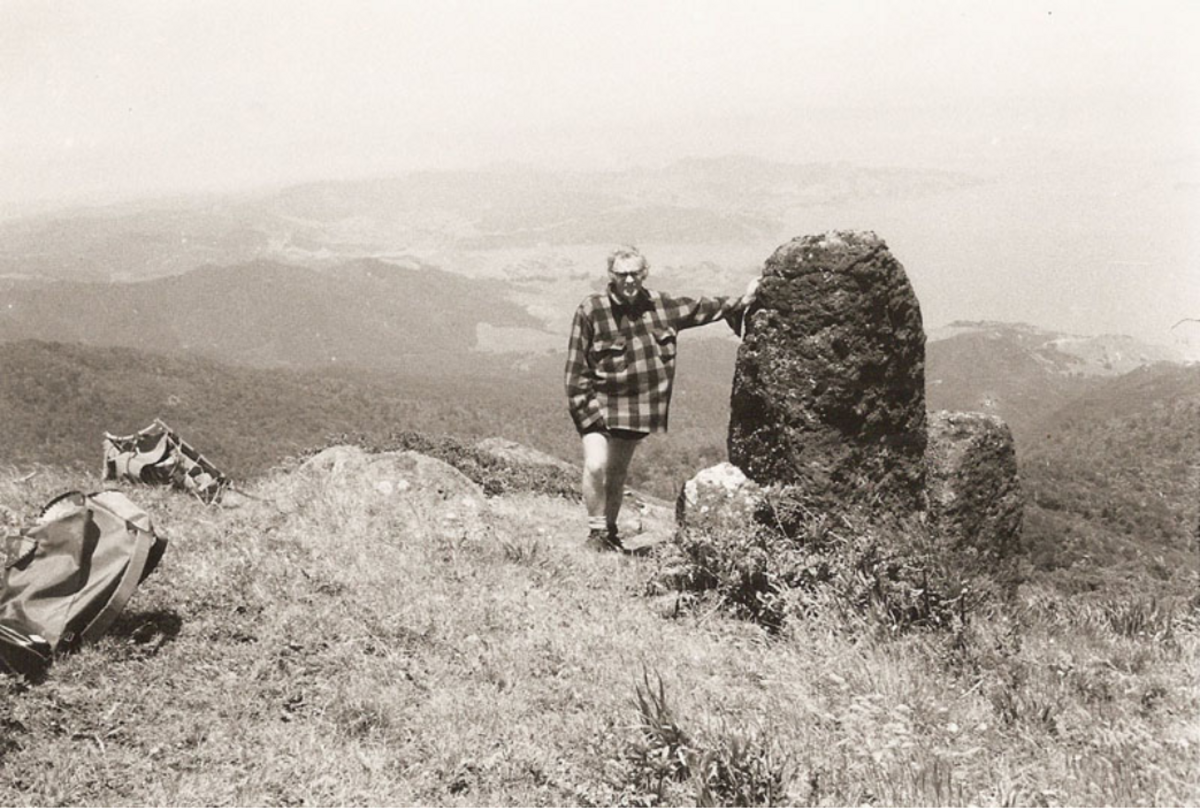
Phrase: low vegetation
(317, 644)
(795, 564)
(323, 644)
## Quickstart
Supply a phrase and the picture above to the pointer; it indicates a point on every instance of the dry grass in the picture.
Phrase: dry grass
(330, 645)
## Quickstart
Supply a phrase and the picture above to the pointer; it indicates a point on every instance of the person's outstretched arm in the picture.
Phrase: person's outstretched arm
(686, 313)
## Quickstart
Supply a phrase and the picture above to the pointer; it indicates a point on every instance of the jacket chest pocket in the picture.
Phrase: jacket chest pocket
(608, 355)
(665, 339)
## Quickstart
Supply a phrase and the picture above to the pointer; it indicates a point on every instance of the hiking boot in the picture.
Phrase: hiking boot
(613, 539)
(599, 540)
(614, 542)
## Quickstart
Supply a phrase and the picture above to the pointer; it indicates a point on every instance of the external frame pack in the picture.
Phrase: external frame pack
(158, 455)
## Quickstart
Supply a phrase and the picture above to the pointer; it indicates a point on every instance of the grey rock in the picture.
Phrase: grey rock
(718, 498)
(517, 453)
(335, 459)
(421, 493)
(829, 388)
(974, 494)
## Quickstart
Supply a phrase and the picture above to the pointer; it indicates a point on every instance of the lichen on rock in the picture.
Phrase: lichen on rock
(829, 389)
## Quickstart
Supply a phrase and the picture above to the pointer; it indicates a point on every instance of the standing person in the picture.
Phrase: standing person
(620, 367)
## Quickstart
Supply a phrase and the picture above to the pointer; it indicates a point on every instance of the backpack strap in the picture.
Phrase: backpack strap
(17, 549)
(130, 579)
(62, 505)
(137, 523)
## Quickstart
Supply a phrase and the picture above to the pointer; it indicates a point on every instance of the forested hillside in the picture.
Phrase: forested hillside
(364, 313)
(1113, 481)
(1111, 478)
(58, 399)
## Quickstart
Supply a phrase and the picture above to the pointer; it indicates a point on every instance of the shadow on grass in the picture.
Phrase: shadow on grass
(148, 629)
(139, 634)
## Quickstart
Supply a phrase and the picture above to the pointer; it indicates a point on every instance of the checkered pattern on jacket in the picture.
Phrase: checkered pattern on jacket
(621, 356)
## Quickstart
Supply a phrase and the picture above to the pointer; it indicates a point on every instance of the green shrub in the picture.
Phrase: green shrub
(661, 751)
(1145, 617)
(741, 770)
(795, 562)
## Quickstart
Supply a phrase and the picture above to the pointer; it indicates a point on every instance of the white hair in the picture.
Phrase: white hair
(627, 252)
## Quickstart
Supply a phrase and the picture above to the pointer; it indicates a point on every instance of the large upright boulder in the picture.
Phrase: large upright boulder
(829, 390)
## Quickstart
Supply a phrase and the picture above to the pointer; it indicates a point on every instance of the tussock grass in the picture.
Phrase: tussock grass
(327, 645)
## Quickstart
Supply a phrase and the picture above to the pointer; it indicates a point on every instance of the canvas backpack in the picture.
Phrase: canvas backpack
(68, 578)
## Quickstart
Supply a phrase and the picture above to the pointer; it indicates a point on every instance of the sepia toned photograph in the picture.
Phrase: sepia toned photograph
(418, 403)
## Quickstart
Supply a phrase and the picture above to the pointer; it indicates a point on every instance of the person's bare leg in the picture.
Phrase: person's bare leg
(620, 454)
(595, 470)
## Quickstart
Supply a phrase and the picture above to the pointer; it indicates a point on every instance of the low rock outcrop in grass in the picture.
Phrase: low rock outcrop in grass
(497, 468)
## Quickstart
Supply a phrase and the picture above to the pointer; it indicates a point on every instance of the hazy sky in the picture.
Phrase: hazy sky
(1084, 115)
(100, 98)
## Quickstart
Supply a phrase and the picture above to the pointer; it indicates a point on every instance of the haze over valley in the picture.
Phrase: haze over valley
(974, 248)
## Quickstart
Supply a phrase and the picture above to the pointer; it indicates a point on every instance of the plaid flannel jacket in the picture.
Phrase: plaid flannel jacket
(621, 357)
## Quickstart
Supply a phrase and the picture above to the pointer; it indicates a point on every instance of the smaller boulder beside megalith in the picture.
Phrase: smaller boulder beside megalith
(975, 504)
(718, 498)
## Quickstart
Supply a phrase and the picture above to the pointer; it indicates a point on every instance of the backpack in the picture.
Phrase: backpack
(66, 580)
(158, 455)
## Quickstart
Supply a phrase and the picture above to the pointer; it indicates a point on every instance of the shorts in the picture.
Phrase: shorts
(615, 433)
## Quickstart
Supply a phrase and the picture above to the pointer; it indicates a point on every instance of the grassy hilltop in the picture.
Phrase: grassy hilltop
(336, 643)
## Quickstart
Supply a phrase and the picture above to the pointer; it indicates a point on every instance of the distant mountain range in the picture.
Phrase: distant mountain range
(1060, 353)
(1023, 373)
(364, 313)
(712, 201)
(408, 314)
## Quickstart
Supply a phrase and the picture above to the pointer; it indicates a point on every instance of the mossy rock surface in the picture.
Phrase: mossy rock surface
(829, 388)
(975, 499)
